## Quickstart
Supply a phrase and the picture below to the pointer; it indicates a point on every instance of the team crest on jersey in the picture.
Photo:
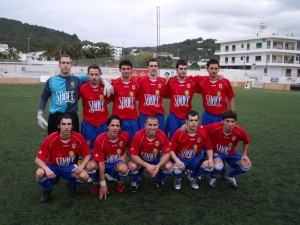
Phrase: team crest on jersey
(72, 84)
(156, 143)
(121, 143)
(88, 142)
(220, 85)
(159, 85)
(233, 138)
(73, 145)
(188, 85)
(198, 140)
(133, 87)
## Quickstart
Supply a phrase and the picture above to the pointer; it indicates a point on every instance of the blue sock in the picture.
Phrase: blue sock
(121, 177)
(235, 172)
(73, 181)
(44, 183)
(94, 175)
(201, 172)
(162, 175)
(214, 174)
(134, 176)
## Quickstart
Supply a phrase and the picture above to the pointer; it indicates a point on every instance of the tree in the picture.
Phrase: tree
(50, 51)
(12, 53)
(77, 51)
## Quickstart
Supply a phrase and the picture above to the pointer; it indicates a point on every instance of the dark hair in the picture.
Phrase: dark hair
(151, 117)
(181, 62)
(125, 62)
(212, 61)
(94, 67)
(229, 114)
(191, 113)
(152, 60)
(113, 117)
(64, 116)
(64, 56)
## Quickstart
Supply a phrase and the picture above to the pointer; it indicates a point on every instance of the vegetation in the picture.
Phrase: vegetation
(267, 194)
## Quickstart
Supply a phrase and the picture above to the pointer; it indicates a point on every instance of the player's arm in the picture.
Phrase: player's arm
(163, 160)
(124, 156)
(85, 161)
(103, 191)
(210, 160)
(245, 154)
(42, 105)
(40, 163)
(137, 160)
(231, 104)
(177, 161)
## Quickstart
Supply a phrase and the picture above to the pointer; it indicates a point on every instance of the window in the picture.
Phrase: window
(247, 59)
(226, 59)
(288, 72)
(226, 48)
(298, 73)
(242, 58)
(233, 59)
(259, 45)
(248, 46)
(242, 45)
(258, 58)
(233, 48)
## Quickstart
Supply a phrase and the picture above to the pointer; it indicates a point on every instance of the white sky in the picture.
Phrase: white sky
(132, 23)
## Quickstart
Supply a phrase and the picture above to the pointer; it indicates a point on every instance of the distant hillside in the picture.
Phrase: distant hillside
(16, 34)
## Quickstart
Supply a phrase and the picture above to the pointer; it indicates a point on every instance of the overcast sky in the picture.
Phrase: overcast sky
(130, 23)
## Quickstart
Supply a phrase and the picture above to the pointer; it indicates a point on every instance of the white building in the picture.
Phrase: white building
(118, 53)
(268, 53)
(3, 47)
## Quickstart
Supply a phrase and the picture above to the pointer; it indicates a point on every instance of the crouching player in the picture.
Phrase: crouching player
(56, 158)
(225, 136)
(150, 149)
(110, 153)
(185, 151)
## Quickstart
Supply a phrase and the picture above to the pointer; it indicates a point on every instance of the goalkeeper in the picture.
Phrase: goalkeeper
(63, 90)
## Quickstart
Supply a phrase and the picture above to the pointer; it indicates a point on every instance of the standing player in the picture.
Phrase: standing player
(56, 157)
(94, 103)
(181, 90)
(225, 136)
(186, 149)
(63, 90)
(110, 153)
(150, 149)
(217, 94)
(124, 98)
(152, 90)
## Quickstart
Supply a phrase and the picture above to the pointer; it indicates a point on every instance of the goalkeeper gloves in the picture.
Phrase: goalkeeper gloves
(108, 89)
(41, 121)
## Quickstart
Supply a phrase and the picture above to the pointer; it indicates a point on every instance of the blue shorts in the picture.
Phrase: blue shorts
(230, 159)
(161, 121)
(110, 168)
(62, 171)
(91, 132)
(173, 123)
(130, 126)
(191, 164)
(208, 118)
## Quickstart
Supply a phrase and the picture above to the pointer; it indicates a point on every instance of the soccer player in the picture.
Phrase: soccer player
(63, 90)
(110, 154)
(56, 157)
(217, 94)
(124, 99)
(181, 90)
(185, 151)
(94, 103)
(150, 149)
(225, 136)
(152, 90)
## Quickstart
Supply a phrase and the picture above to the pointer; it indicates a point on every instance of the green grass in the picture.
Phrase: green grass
(267, 194)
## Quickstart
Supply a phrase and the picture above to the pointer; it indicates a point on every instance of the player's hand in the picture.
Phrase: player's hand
(77, 169)
(180, 165)
(108, 88)
(151, 169)
(246, 160)
(103, 191)
(210, 163)
(41, 121)
(183, 128)
(50, 174)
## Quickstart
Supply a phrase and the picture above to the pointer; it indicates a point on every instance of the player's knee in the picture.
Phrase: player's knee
(83, 176)
(245, 168)
(132, 166)
(177, 171)
(218, 166)
(40, 174)
(92, 165)
(122, 168)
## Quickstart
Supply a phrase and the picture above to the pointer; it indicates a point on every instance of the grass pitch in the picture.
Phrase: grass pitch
(267, 194)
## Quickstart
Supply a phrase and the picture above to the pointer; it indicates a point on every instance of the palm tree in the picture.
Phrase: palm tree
(77, 51)
(12, 53)
(49, 51)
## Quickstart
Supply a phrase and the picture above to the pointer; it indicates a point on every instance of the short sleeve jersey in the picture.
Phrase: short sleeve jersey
(187, 146)
(226, 143)
(110, 151)
(61, 153)
(149, 149)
